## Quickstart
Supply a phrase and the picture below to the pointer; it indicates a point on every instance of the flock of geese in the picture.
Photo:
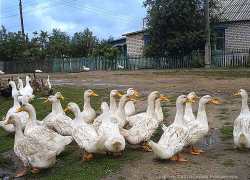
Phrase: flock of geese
(37, 143)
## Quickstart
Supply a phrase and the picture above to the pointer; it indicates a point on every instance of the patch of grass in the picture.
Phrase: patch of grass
(121, 177)
(5, 162)
(214, 156)
(224, 111)
(157, 134)
(229, 163)
(227, 133)
(227, 123)
(223, 117)
(248, 165)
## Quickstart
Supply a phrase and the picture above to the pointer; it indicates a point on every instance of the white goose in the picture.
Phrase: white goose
(23, 115)
(84, 134)
(174, 137)
(42, 134)
(57, 119)
(189, 115)
(241, 131)
(198, 128)
(20, 84)
(113, 108)
(14, 89)
(130, 107)
(115, 142)
(29, 150)
(27, 90)
(119, 66)
(1, 72)
(48, 84)
(145, 126)
(84, 68)
(88, 112)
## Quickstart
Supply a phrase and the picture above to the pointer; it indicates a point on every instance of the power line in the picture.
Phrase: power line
(95, 12)
(111, 15)
(45, 7)
(96, 7)
(16, 6)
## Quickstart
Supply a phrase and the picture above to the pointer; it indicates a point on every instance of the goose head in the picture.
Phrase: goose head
(161, 99)
(192, 96)
(114, 93)
(25, 107)
(132, 92)
(72, 107)
(28, 79)
(13, 119)
(58, 95)
(208, 99)
(27, 98)
(182, 99)
(125, 98)
(241, 93)
(155, 95)
(12, 83)
(89, 93)
(104, 107)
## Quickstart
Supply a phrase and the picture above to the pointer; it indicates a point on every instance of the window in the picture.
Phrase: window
(219, 38)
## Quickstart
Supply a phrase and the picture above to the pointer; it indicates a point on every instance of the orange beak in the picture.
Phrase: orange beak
(189, 100)
(66, 109)
(46, 101)
(7, 122)
(118, 94)
(61, 97)
(94, 94)
(132, 99)
(215, 102)
(136, 94)
(19, 110)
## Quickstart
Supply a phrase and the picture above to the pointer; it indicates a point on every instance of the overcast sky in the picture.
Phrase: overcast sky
(102, 17)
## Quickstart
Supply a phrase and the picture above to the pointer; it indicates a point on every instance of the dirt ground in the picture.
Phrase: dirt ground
(219, 161)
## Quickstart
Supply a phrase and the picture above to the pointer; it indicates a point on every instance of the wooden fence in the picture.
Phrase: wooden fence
(12, 67)
(231, 58)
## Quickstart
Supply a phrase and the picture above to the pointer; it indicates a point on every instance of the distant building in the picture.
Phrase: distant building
(132, 43)
(234, 32)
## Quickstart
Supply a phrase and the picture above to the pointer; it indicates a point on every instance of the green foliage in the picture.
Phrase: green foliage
(107, 52)
(198, 60)
(176, 27)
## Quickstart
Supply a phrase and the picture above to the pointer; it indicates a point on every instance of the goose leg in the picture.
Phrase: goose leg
(180, 159)
(197, 151)
(192, 152)
(173, 159)
(85, 157)
(146, 148)
(90, 156)
(118, 154)
(141, 145)
(236, 147)
(36, 170)
(22, 174)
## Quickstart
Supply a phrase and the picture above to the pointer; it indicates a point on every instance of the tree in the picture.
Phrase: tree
(13, 46)
(83, 43)
(106, 52)
(39, 45)
(59, 44)
(175, 26)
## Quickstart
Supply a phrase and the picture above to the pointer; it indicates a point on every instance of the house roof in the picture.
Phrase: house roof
(135, 32)
(234, 10)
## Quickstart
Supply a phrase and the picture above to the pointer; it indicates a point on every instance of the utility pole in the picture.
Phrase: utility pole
(21, 17)
(207, 45)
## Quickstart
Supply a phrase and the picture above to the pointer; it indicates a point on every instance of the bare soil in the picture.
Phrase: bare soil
(219, 161)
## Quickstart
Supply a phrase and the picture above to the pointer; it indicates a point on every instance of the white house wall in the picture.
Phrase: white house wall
(238, 35)
(135, 42)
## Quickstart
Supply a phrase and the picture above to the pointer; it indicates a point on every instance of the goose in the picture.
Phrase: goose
(88, 112)
(48, 84)
(38, 71)
(1, 72)
(119, 66)
(144, 127)
(115, 142)
(13, 86)
(45, 89)
(158, 111)
(85, 68)
(35, 85)
(7, 92)
(130, 107)
(23, 115)
(29, 150)
(27, 90)
(174, 137)
(57, 120)
(113, 108)
(198, 128)
(241, 131)
(20, 83)
(119, 117)
(84, 134)
(42, 134)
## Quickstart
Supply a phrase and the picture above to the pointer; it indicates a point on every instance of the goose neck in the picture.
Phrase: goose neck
(179, 113)
(201, 111)
(244, 106)
(188, 109)
(87, 102)
(16, 102)
(112, 102)
(32, 114)
(57, 107)
(151, 106)
(18, 129)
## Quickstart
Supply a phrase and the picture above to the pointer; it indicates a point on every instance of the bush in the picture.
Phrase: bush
(248, 61)
(198, 60)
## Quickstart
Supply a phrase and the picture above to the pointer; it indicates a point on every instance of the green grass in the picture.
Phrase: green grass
(224, 111)
(214, 156)
(227, 133)
(223, 117)
(121, 177)
(68, 164)
(248, 165)
(229, 163)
